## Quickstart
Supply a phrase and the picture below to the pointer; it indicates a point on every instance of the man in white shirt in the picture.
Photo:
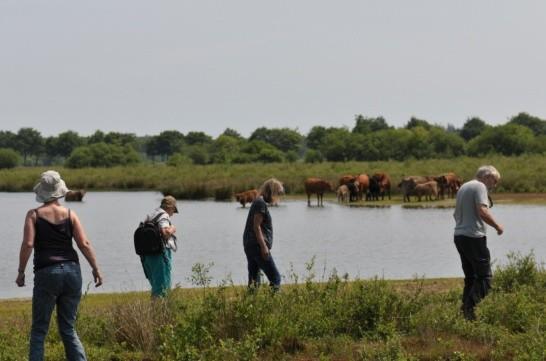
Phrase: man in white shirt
(471, 216)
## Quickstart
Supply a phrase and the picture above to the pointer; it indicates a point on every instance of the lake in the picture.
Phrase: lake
(394, 243)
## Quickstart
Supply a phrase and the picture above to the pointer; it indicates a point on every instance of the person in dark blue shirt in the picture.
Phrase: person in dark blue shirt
(258, 236)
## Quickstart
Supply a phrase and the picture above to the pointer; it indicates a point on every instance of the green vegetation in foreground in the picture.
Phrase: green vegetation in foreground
(523, 174)
(335, 319)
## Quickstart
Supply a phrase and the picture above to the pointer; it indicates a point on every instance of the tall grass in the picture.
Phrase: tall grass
(325, 319)
(519, 174)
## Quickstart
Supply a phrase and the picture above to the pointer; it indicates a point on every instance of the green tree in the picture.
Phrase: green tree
(284, 139)
(313, 156)
(508, 139)
(393, 143)
(9, 158)
(120, 138)
(472, 128)
(178, 160)
(260, 151)
(198, 154)
(337, 146)
(165, 144)
(446, 144)
(366, 125)
(29, 142)
(317, 135)
(416, 122)
(232, 133)
(368, 147)
(102, 155)
(537, 125)
(193, 138)
(225, 149)
(420, 146)
(8, 139)
(64, 143)
(97, 137)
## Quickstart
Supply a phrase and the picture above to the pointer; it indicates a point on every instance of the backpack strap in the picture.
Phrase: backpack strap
(156, 218)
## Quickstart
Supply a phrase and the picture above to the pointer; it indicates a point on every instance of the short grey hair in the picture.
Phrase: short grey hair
(487, 170)
(272, 187)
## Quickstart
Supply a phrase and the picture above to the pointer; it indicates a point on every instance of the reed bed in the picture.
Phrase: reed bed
(523, 174)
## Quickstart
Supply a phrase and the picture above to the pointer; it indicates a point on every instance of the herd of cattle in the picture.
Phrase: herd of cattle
(372, 187)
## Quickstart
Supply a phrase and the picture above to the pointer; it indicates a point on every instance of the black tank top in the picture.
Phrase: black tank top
(53, 242)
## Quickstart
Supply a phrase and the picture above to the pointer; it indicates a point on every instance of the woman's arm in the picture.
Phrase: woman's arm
(85, 247)
(258, 219)
(26, 246)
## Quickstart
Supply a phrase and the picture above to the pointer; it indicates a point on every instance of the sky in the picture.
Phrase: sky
(147, 66)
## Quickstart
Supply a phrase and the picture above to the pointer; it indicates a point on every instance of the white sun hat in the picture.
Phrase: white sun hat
(50, 187)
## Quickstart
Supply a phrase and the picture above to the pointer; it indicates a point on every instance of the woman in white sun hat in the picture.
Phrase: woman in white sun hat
(48, 231)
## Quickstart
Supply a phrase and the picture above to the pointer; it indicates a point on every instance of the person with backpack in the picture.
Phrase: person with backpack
(157, 261)
(48, 231)
(258, 236)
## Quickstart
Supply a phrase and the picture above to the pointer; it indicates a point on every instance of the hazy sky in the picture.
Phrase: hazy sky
(147, 66)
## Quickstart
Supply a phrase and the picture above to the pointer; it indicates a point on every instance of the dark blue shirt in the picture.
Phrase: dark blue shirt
(249, 237)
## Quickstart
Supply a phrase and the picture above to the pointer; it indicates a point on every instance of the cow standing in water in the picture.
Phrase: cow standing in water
(316, 186)
(246, 197)
(74, 196)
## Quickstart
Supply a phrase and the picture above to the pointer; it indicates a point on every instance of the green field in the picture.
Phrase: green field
(524, 174)
(331, 318)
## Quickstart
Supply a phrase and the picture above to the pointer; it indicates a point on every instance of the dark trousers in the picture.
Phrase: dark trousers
(256, 263)
(475, 259)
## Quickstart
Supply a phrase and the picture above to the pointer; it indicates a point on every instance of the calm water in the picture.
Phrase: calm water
(364, 242)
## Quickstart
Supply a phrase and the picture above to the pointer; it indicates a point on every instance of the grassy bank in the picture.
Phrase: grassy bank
(334, 319)
(523, 174)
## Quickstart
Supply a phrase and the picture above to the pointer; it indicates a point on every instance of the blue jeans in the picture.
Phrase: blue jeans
(157, 269)
(57, 285)
(257, 263)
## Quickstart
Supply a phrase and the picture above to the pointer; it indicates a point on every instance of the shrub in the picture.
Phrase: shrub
(520, 271)
(9, 158)
(102, 155)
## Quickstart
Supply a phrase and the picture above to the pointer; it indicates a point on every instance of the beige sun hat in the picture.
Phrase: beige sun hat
(169, 202)
(50, 187)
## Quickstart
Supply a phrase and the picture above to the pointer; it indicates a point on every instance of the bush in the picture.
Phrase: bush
(520, 271)
(9, 158)
(102, 155)
(179, 160)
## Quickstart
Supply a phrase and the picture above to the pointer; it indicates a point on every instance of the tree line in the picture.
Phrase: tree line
(371, 139)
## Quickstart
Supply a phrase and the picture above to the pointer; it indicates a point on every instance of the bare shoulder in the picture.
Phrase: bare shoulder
(73, 215)
(31, 214)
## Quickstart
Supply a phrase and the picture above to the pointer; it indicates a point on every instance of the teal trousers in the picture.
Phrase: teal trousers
(157, 268)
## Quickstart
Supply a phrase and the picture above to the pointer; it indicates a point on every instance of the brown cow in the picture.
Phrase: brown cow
(363, 185)
(449, 184)
(384, 184)
(343, 193)
(318, 186)
(346, 179)
(74, 196)
(428, 189)
(407, 185)
(246, 197)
